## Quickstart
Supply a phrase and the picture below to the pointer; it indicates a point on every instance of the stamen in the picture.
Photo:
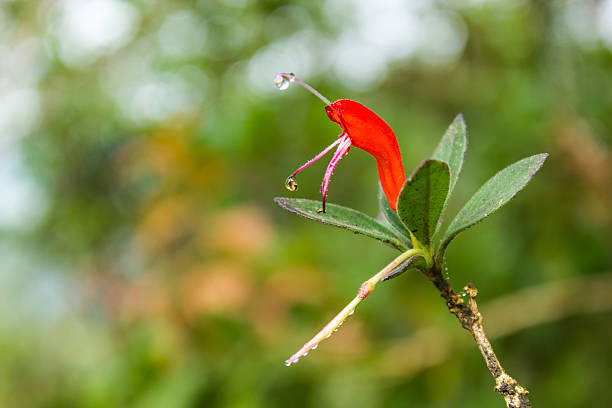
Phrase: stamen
(281, 82)
(291, 184)
(340, 152)
(318, 156)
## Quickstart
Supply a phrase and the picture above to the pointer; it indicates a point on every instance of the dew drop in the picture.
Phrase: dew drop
(282, 82)
(340, 324)
(328, 336)
(335, 330)
(305, 354)
(287, 363)
(352, 312)
(291, 184)
(315, 346)
(296, 360)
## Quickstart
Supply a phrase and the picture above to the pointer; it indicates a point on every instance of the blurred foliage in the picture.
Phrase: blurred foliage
(142, 142)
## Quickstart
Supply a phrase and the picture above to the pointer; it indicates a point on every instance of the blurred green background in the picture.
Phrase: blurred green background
(144, 264)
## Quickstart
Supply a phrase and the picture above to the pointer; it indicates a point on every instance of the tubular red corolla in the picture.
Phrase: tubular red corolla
(361, 128)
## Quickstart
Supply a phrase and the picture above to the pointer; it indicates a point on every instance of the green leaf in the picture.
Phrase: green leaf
(422, 198)
(342, 217)
(391, 217)
(493, 195)
(452, 149)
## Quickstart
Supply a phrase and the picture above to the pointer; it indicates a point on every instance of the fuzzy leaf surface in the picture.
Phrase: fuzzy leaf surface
(342, 217)
(452, 149)
(422, 199)
(391, 216)
(493, 195)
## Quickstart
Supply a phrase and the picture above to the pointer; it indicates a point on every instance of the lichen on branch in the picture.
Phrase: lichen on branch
(515, 395)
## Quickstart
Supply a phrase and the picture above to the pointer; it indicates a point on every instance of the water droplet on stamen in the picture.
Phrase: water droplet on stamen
(328, 336)
(335, 330)
(282, 82)
(291, 184)
(315, 346)
(287, 363)
(352, 312)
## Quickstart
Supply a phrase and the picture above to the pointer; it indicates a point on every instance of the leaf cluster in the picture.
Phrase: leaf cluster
(423, 200)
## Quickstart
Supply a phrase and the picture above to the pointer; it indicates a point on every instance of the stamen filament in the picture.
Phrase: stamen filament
(309, 88)
(318, 156)
(340, 152)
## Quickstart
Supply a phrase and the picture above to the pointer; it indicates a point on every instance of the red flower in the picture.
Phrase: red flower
(361, 128)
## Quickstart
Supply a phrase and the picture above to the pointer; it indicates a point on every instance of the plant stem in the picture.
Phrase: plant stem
(364, 291)
(470, 318)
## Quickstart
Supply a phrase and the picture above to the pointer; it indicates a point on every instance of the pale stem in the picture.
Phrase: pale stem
(364, 290)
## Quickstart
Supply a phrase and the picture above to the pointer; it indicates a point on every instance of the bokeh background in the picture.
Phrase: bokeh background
(144, 264)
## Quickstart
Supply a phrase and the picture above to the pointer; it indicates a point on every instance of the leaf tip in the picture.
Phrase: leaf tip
(282, 202)
(459, 118)
(541, 158)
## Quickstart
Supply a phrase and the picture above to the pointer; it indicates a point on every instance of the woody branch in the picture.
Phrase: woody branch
(470, 318)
